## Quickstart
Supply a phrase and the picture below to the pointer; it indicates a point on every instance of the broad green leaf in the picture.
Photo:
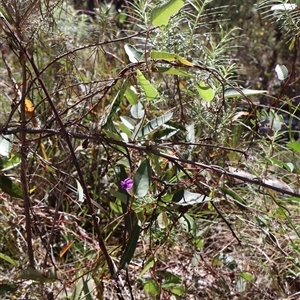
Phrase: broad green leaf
(188, 224)
(178, 290)
(241, 285)
(233, 93)
(6, 145)
(128, 122)
(205, 91)
(119, 195)
(130, 247)
(163, 55)
(162, 220)
(10, 188)
(184, 197)
(131, 96)
(154, 124)
(294, 146)
(134, 55)
(142, 177)
(9, 163)
(149, 90)
(6, 288)
(161, 14)
(9, 259)
(171, 279)
(137, 111)
(151, 287)
(282, 72)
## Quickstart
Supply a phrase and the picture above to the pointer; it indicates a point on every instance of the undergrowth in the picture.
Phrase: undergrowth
(138, 162)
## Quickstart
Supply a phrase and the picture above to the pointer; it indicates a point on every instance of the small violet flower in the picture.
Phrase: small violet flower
(127, 184)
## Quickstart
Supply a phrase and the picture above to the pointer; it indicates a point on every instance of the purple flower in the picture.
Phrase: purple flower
(126, 184)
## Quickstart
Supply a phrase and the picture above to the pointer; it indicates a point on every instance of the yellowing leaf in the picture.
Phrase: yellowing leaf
(29, 107)
(184, 61)
(65, 249)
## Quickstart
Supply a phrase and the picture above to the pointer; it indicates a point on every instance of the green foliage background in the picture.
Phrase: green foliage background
(181, 97)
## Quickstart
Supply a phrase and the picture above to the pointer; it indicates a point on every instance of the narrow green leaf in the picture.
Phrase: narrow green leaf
(79, 192)
(161, 14)
(163, 55)
(149, 90)
(205, 91)
(233, 93)
(154, 124)
(173, 71)
(142, 177)
(130, 247)
(10, 188)
(9, 260)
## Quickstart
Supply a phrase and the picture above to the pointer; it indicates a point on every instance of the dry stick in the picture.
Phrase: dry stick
(67, 138)
(153, 150)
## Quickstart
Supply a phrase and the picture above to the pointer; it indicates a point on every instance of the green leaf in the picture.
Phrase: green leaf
(205, 91)
(6, 145)
(36, 275)
(79, 192)
(281, 71)
(114, 106)
(9, 163)
(184, 198)
(295, 146)
(148, 265)
(163, 55)
(151, 288)
(10, 188)
(141, 180)
(85, 285)
(130, 247)
(9, 260)
(161, 14)
(173, 71)
(154, 124)
(137, 111)
(8, 288)
(178, 290)
(233, 93)
(134, 55)
(149, 90)
(162, 220)
(131, 96)
(247, 276)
